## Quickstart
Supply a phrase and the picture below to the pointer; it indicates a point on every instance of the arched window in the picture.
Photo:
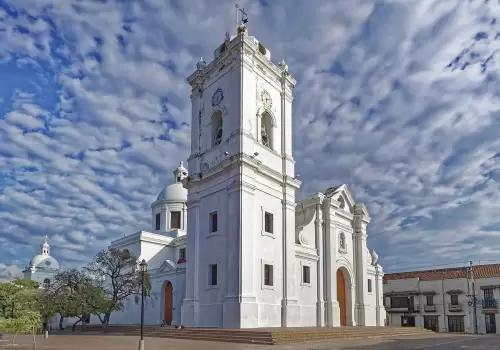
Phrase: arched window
(342, 240)
(266, 130)
(46, 283)
(217, 129)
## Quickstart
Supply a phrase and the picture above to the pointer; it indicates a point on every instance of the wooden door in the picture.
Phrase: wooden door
(168, 303)
(341, 297)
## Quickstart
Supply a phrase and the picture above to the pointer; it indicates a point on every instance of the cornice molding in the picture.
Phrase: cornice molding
(306, 253)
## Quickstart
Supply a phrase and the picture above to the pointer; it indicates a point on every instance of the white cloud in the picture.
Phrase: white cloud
(9, 272)
(376, 107)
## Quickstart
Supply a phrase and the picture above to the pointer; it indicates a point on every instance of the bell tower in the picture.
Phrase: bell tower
(241, 190)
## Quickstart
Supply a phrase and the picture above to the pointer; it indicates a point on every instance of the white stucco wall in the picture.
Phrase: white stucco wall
(442, 301)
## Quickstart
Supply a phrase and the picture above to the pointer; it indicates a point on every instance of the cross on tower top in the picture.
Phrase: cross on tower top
(241, 19)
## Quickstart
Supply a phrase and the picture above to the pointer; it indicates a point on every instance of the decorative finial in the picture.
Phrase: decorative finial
(228, 37)
(46, 239)
(182, 164)
(201, 64)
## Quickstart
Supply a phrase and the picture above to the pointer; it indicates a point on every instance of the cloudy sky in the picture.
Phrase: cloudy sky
(397, 99)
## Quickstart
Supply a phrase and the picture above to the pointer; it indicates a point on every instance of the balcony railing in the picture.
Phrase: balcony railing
(403, 308)
(430, 308)
(490, 304)
(455, 307)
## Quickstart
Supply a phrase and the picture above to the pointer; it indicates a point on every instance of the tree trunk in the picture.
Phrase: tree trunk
(34, 338)
(74, 325)
(14, 338)
(106, 321)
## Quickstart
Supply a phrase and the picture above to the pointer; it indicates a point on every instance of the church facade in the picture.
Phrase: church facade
(230, 246)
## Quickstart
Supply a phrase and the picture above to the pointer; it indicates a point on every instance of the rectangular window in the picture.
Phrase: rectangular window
(212, 278)
(306, 274)
(213, 222)
(454, 299)
(182, 253)
(268, 275)
(175, 219)
(456, 324)
(268, 222)
(429, 300)
(369, 285)
(399, 302)
(158, 221)
(488, 293)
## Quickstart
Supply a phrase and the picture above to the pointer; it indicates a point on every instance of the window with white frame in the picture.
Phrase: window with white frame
(158, 221)
(213, 224)
(369, 285)
(212, 275)
(268, 222)
(182, 254)
(268, 275)
(306, 274)
(175, 219)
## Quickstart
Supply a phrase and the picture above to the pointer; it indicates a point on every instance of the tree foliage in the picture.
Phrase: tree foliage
(17, 296)
(116, 271)
(20, 307)
(75, 294)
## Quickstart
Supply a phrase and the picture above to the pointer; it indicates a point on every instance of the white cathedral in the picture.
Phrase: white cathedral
(229, 245)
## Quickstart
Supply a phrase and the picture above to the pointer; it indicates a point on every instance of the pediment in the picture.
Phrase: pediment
(360, 208)
(167, 265)
(341, 194)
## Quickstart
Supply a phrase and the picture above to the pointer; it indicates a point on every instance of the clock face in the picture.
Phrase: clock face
(217, 97)
(266, 99)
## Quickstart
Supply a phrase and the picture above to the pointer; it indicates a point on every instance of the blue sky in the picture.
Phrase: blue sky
(400, 100)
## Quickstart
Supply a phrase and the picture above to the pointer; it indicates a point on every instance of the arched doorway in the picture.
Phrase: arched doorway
(342, 296)
(168, 302)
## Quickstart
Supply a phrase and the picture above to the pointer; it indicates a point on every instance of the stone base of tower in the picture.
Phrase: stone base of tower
(249, 316)
(361, 314)
(291, 313)
(333, 312)
(188, 313)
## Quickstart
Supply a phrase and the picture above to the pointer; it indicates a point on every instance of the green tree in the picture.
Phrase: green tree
(116, 271)
(17, 296)
(75, 294)
(28, 321)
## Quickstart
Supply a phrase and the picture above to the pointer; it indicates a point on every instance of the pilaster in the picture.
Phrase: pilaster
(190, 303)
(361, 220)
(320, 304)
(329, 238)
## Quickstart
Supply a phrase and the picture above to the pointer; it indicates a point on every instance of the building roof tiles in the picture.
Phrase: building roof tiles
(480, 271)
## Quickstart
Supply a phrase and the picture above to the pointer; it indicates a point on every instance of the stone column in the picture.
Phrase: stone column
(361, 220)
(196, 120)
(330, 271)
(189, 306)
(320, 304)
(290, 303)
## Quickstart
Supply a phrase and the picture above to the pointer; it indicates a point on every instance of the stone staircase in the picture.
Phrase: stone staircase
(268, 336)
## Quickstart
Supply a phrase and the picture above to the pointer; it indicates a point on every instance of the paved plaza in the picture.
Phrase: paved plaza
(116, 342)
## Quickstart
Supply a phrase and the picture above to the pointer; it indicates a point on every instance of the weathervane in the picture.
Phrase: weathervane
(244, 16)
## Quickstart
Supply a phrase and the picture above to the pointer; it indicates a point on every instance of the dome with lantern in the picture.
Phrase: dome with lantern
(176, 191)
(44, 261)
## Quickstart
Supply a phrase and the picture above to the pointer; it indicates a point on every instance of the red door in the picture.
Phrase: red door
(341, 297)
(168, 303)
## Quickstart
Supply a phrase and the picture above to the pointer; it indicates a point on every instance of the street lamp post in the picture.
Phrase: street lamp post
(144, 269)
(46, 330)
